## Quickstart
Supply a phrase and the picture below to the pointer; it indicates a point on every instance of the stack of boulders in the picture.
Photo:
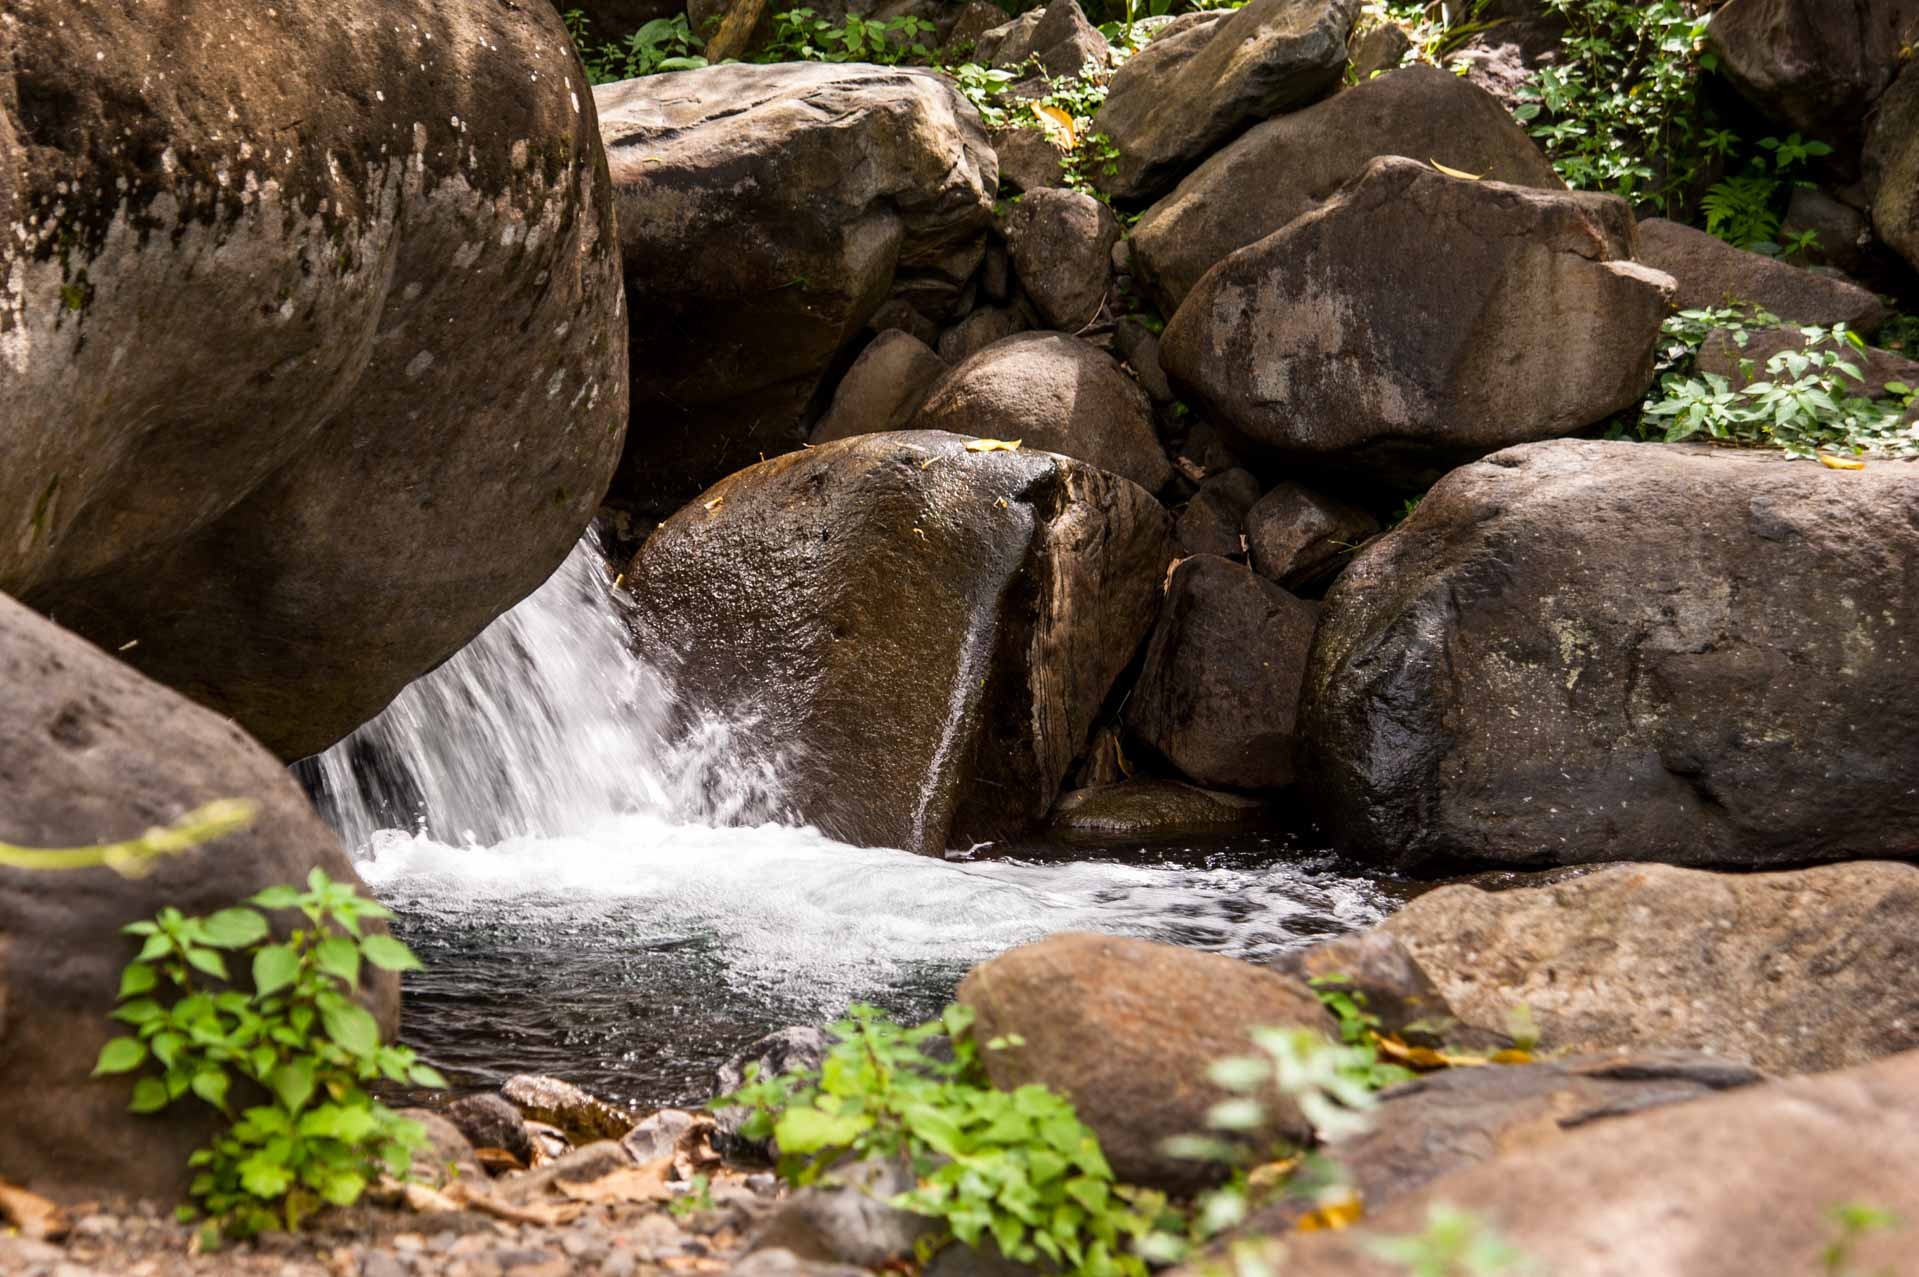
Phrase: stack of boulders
(1336, 292)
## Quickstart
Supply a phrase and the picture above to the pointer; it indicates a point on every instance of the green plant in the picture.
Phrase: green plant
(800, 35)
(1620, 112)
(1454, 1243)
(1855, 1221)
(298, 1039)
(1359, 1029)
(1747, 210)
(697, 1197)
(1016, 1166)
(664, 44)
(134, 857)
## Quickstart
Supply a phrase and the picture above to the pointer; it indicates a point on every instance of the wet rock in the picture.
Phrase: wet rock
(491, 1121)
(792, 1049)
(1816, 66)
(1153, 809)
(1722, 1186)
(1742, 365)
(1192, 89)
(1797, 971)
(865, 182)
(1126, 1029)
(984, 327)
(582, 1117)
(883, 389)
(381, 323)
(1711, 272)
(1416, 320)
(1219, 689)
(1057, 37)
(1292, 165)
(1211, 521)
(847, 1219)
(940, 622)
(1586, 651)
(1382, 977)
(1055, 393)
(1296, 536)
(1061, 244)
(1892, 163)
(92, 752)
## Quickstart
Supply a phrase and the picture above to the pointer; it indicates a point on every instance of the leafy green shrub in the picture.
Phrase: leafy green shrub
(664, 44)
(1016, 1166)
(1747, 210)
(801, 35)
(299, 1040)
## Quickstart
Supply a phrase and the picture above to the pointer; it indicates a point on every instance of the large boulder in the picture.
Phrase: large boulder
(1218, 692)
(1061, 244)
(1292, 165)
(1056, 393)
(1126, 1029)
(1816, 66)
(1710, 272)
(883, 389)
(92, 752)
(1725, 1186)
(765, 214)
(1057, 38)
(1170, 106)
(921, 633)
(313, 346)
(1152, 810)
(1417, 320)
(1892, 164)
(1588, 651)
(1797, 972)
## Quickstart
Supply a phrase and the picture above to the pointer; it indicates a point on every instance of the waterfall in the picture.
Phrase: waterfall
(549, 723)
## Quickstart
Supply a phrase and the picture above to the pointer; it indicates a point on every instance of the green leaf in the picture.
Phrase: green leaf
(274, 968)
(339, 957)
(426, 1075)
(149, 1095)
(263, 1177)
(389, 954)
(137, 978)
(208, 960)
(341, 1187)
(121, 1055)
(352, 1027)
(234, 928)
(292, 1084)
(805, 1130)
(280, 897)
(211, 1086)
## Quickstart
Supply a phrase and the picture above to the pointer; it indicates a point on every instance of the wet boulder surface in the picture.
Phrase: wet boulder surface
(244, 363)
(919, 634)
(1586, 651)
(766, 213)
(93, 752)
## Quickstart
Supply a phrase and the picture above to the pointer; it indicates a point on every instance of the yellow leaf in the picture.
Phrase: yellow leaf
(1453, 172)
(1841, 463)
(1272, 1174)
(992, 445)
(1332, 1217)
(1058, 125)
(1423, 1058)
(1512, 1056)
(714, 504)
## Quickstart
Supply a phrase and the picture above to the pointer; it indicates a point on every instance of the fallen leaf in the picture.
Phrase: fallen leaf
(1058, 125)
(1272, 1174)
(1841, 463)
(1512, 1056)
(992, 445)
(495, 1161)
(426, 1201)
(35, 1216)
(629, 1184)
(465, 1194)
(1332, 1217)
(714, 504)
(1423, 1058)
(1453, 172)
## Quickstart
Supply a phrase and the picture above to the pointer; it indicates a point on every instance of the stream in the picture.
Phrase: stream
(607, 897)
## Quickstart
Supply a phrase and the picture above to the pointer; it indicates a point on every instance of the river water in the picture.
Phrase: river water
(603, 897)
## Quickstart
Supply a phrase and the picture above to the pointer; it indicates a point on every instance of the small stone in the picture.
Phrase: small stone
(380, 1263)
(621, 1263)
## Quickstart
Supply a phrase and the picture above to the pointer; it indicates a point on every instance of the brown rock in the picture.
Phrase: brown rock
(1194, 88)
(1813, 65)
(1892, 164)
(1799, 971)
(1711, 273)
(1416, 320)
(1297, 536)
(1126, 1029)
(1152, 809)
(1293, 164)
(1742, 365)
(92, 752)
(1058, 394)
(1061, 243)
(1029, 160)
(1383, 979)
(285, 326)
(1211, 521)
(943, 624)
(1583, 651)
(1219, 690)
(1058, 37)
(883, 389)
(582, 1117)
(983, 328)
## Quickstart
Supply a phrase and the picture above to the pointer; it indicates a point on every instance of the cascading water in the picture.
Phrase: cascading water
(604, 891)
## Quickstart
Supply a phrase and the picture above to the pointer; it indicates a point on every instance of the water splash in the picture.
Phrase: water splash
(547, 724)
